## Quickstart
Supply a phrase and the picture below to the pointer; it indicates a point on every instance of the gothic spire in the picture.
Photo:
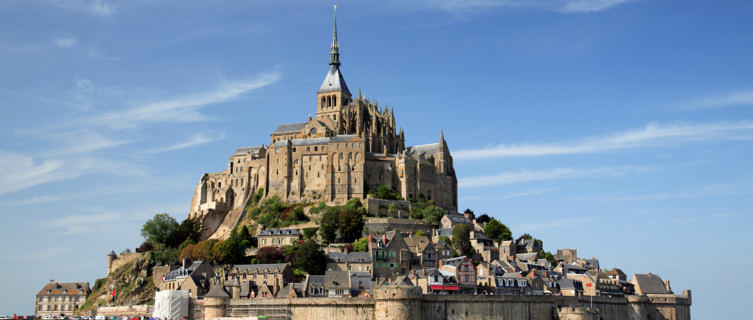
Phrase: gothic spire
(334, 54)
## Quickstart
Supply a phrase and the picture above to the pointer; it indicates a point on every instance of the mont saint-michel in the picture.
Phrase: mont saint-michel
(372, 163)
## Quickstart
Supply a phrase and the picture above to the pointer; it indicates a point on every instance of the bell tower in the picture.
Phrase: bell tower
(333, 93)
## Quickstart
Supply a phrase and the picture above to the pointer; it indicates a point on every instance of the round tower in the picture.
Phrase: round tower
(110, 259)
(215, 301)
(397, 302)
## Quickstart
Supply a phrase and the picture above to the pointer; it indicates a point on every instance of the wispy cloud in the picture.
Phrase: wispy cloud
(567, 6)
(38, 200)
(565, 223)
(182, 108)
(192, 141)
(513, 177)
(81, 141)
(65, 41)
(94, 7)
(76, 224)
(730, 99)
(19, 171)
(694, 192)
(653, 134)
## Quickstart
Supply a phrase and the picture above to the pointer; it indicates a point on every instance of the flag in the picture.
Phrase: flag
(114, 291)
(588, 285)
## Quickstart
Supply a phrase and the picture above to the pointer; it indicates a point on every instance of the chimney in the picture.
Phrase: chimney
(186, 263)
(384, 238)
(52, 281)
(441, 263)
(370, 239)
(666, 285)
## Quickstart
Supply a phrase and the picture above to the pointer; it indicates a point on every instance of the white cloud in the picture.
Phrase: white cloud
(567, 6)
(94, 7)
(19, 171)
(37, 200)
(513, 177)
(183, 108)
(653, 134)
(730, 99)
(65, 41)
(82, 141)
(192, 141)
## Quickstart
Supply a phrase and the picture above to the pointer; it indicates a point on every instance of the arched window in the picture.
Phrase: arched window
(334, 101)
(324, 102)
(329, 101)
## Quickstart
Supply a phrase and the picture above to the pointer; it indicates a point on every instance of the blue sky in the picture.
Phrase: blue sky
(621, 128)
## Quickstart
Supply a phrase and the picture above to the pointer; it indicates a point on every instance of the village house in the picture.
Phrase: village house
(507, 249)
(570, 287)
(191, 276)
(314, 286)
(390, 255)
(450, 220)
(438, 281)
(278, 237)
(61, 298)
(262, 280)
(463, 270)
(424, 253)
(349, 261)
(337, 283)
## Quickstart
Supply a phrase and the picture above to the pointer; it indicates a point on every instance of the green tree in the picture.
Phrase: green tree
(469, 212)
(342, 223)
(461, 241)
(497, 231)
(361, 245)
(382, 192)
(245, 234)
(484, 218)
(350, 224)
(549, 257)
(432, 215)
(310, 258)
(329, 224)
(158, 229)
(420, 233)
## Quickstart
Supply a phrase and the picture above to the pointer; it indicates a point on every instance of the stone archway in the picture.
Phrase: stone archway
(230, 198)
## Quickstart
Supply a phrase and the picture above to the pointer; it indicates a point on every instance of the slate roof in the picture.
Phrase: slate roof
(289, 128)
(65, 288)
(527, 256)
(181, 272)
(570, 284)
(458, 218)
(269, 267)
(445, 232)
(350, 257)
(336, 280)
(217, 292)
(279, 232)
(417, 244)
(422, 151)
(650, 283)
(453, 262)
(334, 81)
(360, 281)
(243, 151)
(316, 141)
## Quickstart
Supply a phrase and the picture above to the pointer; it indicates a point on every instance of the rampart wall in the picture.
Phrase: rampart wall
(407, 303)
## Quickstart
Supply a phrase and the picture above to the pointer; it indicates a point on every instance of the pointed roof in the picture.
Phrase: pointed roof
(217, 292)
(334, 80)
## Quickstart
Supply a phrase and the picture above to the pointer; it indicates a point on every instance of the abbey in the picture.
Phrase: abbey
(350, 147)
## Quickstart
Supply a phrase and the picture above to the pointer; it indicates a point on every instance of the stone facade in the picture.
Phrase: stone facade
(61, 298)
(352, 146)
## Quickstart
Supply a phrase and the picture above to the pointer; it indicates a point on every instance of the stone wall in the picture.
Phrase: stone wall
(407, 303)
(382, 225)
(130, 311)
(123, 259)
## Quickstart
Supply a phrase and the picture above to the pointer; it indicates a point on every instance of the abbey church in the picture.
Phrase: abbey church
(350, 147)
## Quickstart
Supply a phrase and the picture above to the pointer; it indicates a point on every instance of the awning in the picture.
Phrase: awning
(435, 287)
(451, 288)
